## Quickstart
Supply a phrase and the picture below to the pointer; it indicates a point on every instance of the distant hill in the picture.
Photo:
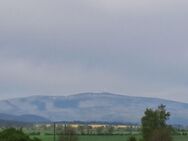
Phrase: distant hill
(22, 118)
(91, 107)
(15, 124)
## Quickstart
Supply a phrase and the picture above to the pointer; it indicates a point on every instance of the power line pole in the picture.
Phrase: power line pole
(54, 131)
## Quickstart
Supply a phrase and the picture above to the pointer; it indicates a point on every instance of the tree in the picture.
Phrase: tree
(162, 134)
(99, 130)
(81, 129)
(110, 130)
(69, 134)
(154, 121)
(88, 129)
(12, 134)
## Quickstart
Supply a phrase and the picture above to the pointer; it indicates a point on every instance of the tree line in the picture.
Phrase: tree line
(154, 127)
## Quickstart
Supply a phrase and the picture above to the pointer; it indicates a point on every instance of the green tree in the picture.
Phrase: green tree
(110, 130)
(100, 130)
(88, 130)
(154, 120)
(12, 134)
(69, 134)
(81, 129)
(162, 134)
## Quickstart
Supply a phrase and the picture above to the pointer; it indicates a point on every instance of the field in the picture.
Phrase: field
(106, 138)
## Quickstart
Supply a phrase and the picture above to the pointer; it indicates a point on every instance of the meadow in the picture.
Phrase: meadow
(105, 138)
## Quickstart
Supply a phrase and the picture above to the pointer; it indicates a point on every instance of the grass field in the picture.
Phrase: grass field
(106, 138)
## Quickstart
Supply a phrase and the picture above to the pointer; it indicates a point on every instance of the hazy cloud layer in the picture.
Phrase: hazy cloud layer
(63, 47)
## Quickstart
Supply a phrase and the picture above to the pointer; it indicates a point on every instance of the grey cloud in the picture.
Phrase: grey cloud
(62, 47)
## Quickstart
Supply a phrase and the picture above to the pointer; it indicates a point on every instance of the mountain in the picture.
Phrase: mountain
(22, 118)
(92, 107)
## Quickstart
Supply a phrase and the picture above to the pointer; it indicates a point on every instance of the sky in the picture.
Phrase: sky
(63, 47)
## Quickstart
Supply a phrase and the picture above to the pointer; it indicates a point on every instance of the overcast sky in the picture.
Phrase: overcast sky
(63, 47)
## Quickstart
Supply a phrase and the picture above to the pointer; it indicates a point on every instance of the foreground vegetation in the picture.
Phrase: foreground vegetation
(154, 128)
(13, 134)
(106, 137)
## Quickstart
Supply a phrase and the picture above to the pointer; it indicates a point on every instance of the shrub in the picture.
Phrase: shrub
(12, 134)
(131, 138)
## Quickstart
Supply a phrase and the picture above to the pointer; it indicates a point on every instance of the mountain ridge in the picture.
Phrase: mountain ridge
(23, 118)
(92, 107)
(93, 93)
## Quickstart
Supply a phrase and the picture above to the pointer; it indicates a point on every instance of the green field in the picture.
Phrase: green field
(106, 138)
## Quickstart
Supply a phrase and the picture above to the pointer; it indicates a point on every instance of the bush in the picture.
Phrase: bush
(12, 134)
(36, 139)
(34, 133)
(141, 139)
(131, 138)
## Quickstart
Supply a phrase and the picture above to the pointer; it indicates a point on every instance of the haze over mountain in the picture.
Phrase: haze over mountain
(92, 107)
(137, 47)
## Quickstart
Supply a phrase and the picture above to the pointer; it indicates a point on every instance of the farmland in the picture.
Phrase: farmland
(105, 138)
(84, 133)
(98, 131)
